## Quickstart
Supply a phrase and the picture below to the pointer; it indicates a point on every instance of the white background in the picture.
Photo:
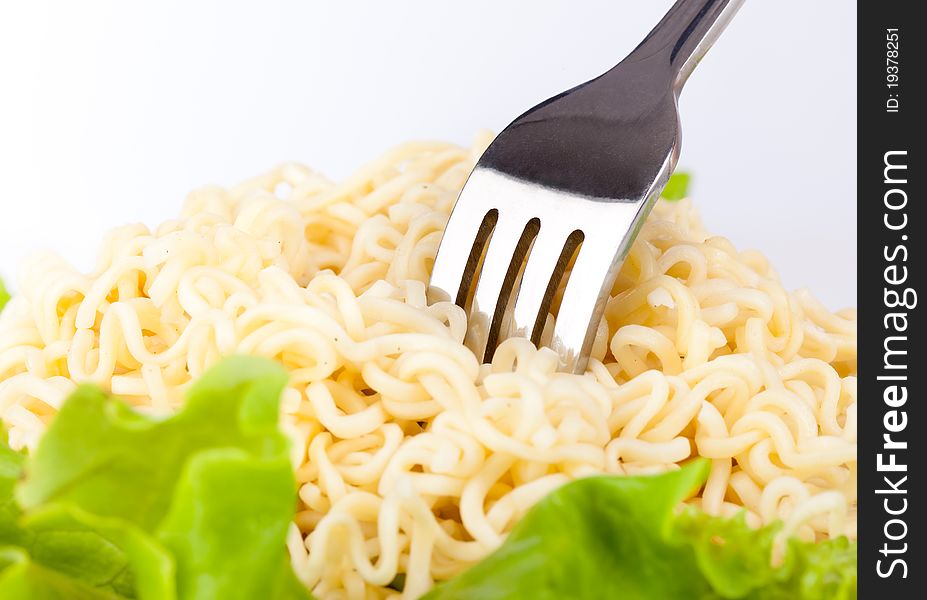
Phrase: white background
(111, 111)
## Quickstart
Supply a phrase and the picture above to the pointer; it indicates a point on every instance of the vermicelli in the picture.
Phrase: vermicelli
(412, 457)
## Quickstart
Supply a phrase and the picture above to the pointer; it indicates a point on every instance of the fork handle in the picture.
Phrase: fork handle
(685, 34)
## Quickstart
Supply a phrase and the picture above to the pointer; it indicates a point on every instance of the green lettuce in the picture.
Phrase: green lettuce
(61, 552)
(4, 295)
(117, 505)
(621, 537)
(677, 187)
(11, 467)
(114, 505)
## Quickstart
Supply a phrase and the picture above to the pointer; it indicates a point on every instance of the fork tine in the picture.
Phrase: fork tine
(507, 248)
(583, 301)
(466, 233)
(552, 248)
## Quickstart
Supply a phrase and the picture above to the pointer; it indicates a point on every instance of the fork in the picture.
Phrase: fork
(571, 181)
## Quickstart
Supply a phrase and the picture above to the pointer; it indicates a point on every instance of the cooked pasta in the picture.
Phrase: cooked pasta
(412, 457)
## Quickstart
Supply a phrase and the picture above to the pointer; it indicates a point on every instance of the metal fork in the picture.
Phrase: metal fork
(571, 179)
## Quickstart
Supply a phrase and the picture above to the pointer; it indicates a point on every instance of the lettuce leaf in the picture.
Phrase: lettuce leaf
(4, 295)
(735, 559)
(22, 578)
(117, 505)
(61, 552)
(227, 528)
(11, 467)
(100, 455)
(62, 547)
(114, 505)
(677, 187)
(621, 537)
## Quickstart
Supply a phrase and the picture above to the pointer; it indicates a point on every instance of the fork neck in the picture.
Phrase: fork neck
(684, 35)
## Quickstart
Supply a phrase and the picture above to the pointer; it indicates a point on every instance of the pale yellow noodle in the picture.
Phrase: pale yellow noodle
(411, 456)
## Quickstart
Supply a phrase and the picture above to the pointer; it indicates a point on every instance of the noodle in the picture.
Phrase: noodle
(411, 456)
